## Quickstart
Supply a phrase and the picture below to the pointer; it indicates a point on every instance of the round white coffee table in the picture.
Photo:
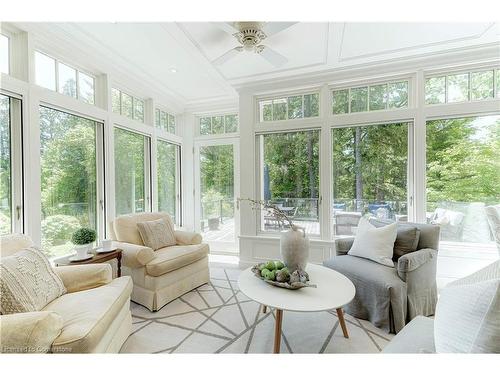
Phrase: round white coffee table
(333, 291)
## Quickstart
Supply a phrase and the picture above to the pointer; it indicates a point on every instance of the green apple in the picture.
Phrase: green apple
(270, 266)
(279, 264)
(270, 275)
(264, 273)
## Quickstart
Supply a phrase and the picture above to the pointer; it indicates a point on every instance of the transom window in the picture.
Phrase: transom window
(218, 124)
(289, 107)
(57, 76)
(165, 121)
(127, 105)
(370, 98)
(4, 54)
(462, 87)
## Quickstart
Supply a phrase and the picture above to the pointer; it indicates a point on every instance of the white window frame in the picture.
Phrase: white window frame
(222, 114)
(178, 178)
(285, 96)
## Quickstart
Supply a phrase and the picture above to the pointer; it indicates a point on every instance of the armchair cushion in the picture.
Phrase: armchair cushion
(135, 256)
(28, 282)
(406, 240)
(125, 226)
(343, 245)
(30, 332)
(157, 233)
(84, 276)
(171, 258)
(187, 238)
(411, 261)
(12, 243)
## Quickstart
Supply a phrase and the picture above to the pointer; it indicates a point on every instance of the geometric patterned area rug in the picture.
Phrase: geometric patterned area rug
(218, 318)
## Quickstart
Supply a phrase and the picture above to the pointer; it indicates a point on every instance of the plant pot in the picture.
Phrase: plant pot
(294, 248)
(83, 250)
(213, 224)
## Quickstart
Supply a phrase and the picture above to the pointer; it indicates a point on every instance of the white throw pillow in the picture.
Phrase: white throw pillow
(374, 243)
(157, 234)
(467, 316)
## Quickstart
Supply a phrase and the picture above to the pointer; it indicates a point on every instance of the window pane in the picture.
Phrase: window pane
(378, 97)
(4, 54)
(295, 107)
(164, 120)
(127, 107)
(458, 88)
(86, 87)
(129, 172)
(340, 102)
(157, 118)
(369, 174)
(463, 178)
(167, 175)
(290, 178)
(115, 100)
(397, 95)
(359, 99)
(217, 125)
(45, 71)
(138, 110)
(5, 167)
(68, 178)
(205, 127)
(231, 123)
(67, 80)
(481, 85)
(266, 111)
(279, 109)
(497, 83)
(311, 105)
(435, 90)
(171, 123)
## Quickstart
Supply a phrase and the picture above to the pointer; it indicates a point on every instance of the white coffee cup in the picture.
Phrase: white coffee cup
(106, 244)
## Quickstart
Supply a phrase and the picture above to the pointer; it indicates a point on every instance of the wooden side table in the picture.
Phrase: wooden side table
(97, 258)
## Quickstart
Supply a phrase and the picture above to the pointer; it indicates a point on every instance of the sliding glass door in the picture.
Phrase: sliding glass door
(71, 193)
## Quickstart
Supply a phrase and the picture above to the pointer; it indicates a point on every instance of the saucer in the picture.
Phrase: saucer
(100, 250)
(75, 258)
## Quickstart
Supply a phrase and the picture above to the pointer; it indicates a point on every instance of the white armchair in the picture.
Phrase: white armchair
(160, 276)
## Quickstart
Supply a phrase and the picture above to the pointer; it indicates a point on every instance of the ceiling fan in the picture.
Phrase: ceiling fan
(250, 35)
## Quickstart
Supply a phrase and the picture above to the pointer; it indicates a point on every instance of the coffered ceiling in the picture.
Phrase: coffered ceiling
(175, 60)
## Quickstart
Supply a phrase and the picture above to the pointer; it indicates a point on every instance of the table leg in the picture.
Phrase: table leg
(277, 331)
(264, 309)
(340, 314)
(119, 266)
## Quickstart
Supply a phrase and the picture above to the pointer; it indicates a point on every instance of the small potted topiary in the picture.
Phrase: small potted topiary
(83, 239)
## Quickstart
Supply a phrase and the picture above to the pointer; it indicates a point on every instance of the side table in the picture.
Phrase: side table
(97, 258)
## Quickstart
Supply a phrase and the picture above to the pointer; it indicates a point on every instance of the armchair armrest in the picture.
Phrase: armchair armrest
(343, 245)
(412, 261)
(84, 276)
(135, 256)
(31, 332)
(187, 238)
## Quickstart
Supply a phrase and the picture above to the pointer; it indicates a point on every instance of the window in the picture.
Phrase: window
(370, 98)
(461, 87)
(127, 105)
(290, 178)
(4, 54)
(289, 108)
(57, 76)
(497, 83)
(10, 165)
(222, 124)
(369, 174)
(165, 121)
(69, 147)
(132, 168)
(463, 177)
(167, 169)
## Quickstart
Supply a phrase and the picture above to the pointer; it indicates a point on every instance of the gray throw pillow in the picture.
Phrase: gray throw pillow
(157, 234)
(27, 282)
(406, 239)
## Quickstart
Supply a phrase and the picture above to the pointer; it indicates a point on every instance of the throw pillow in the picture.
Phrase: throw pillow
(467, 318)
(406, 239)
(374, 243)
(28, 282)
(157, 234)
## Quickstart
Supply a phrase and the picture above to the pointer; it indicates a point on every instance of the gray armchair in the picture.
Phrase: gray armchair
(391, 297)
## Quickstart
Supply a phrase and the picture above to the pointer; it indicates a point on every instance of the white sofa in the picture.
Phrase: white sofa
(92, 317)
(165, 274)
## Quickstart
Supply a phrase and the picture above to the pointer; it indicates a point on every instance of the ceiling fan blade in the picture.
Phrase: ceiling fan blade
(226, 56)
(273, 57)
(226, 27)
(271, 28)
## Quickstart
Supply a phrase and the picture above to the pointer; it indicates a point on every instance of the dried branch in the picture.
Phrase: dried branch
(278, 214)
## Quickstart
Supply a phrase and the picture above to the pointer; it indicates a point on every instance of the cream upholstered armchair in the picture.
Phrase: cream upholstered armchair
(161, 275)
(93, 316)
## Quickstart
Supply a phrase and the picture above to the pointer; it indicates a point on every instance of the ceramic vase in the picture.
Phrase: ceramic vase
(294, 248)
(83, 250)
